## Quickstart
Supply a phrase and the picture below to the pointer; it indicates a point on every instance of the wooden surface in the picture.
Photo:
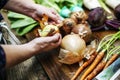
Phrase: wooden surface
(36, 68)
(30, 69)
(56, 70)
(46, 65)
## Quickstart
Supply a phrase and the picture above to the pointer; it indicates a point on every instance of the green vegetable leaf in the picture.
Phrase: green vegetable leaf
(22, 22)
(38, 1)
(23, 30)
(16, 15)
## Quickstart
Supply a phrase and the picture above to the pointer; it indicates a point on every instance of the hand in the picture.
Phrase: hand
(43, 44)
(29, 8)
(50, 12)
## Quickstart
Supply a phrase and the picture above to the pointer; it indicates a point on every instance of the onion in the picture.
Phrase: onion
(48, 30)
(72, 49)
(84, 31)
(79, 16)
(67, 26)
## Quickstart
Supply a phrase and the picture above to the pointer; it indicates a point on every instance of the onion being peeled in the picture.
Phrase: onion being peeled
(72, 49)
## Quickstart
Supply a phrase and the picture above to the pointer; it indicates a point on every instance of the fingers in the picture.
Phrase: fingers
(54, 38)
(55, 16)
(52, 42)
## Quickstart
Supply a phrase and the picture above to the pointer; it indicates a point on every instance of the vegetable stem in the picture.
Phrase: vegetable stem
(104, 6)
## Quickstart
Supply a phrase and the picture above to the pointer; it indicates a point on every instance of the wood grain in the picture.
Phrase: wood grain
(56, 70)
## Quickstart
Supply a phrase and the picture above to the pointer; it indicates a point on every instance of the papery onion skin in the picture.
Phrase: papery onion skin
(75, 46)
(48, 30)
(117, 12)
(79, 16)
(84, 31)
(68, 57)
(67, 26)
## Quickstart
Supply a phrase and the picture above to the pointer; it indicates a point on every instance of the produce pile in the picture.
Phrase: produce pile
(80, 18)
(98, 18)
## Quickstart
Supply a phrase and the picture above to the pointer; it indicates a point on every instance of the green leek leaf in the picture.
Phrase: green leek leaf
(16, 15)
(22, 22)
(23, 30)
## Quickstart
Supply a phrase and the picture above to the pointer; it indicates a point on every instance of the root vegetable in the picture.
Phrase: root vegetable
(93, 65)
(48, 30)
(84, 31)
(117, 11)
(81, 68)
(66, 26)
(105, 46)
(74, 47)
(79, 17)
(111, 60)
(45, 28)
(98, 68)
(97, 17)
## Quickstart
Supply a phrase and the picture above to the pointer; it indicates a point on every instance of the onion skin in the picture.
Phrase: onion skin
(79, 16)
(97, 17)
(84, 31)
(67, 26)
(48, 30)
(73, 49)
(117, 12)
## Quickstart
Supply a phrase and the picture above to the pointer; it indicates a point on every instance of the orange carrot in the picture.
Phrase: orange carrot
(112, 59)
(93, 65)
(81, 68)
(98, 69)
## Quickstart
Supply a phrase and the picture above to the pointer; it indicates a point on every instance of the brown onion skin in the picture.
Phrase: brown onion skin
(81, 28)
(67, 26)
(79, 17)
(75, 46)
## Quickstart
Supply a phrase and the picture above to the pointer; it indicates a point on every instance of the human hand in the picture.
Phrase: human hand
(50, 12)
(42, 44)
(29, 8)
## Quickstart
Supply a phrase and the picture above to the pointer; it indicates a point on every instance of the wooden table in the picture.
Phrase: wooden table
(56, 70)
(30, 69)
(59, 71)
(45, 66)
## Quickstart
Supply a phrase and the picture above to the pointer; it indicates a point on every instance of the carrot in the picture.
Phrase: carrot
(98, 69)
(93, 65)
(81, 68)
(112, 59)
(104, 45)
